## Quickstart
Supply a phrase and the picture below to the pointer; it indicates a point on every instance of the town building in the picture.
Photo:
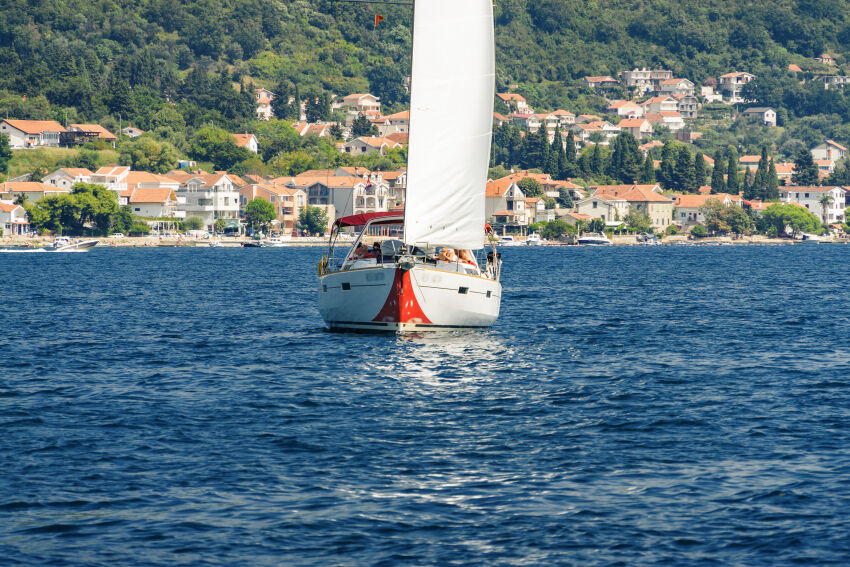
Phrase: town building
(687, 209)
(829, 212)
(366, 145)
(67, 177)
(645, 198)
(829, 150)
(13, 219)
(113, 177)
(209, 196)
(78, 134)
(515, 102)
(731, 85)
(31, 190)
(25, 134)
(155, 203)
(765, 114)
(263, 99)
(676, 86)
(637, 127)
(600, 83)
(247, 141)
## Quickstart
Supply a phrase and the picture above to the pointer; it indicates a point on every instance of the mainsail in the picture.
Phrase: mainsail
(451, 118)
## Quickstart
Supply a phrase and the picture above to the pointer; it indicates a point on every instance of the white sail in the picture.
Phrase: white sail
(451, 117)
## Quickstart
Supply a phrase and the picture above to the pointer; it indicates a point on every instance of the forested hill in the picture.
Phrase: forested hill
(89, 59)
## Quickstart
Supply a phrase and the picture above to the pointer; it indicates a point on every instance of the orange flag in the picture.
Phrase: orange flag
(378, 19)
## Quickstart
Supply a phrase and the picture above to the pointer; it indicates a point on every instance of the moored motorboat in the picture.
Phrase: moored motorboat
(533, 240)
(594, 239)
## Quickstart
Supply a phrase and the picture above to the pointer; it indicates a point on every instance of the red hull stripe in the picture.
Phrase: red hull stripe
(401, 305)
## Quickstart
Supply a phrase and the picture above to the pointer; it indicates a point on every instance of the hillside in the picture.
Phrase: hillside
(120, 61)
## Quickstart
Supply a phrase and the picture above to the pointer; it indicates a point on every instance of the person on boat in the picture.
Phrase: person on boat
(466, 257)
(360, 252)
(447, 255)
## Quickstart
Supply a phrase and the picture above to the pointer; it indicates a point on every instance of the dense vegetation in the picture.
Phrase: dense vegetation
(175, 67)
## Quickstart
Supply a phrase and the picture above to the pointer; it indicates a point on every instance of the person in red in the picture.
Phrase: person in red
(466, 257)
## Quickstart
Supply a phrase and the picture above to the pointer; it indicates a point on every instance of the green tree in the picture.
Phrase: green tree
(825, 201)
(564, 198)
(275, 137)
(312, 220)
(667, 174)
(771, 192)
(218, 146)
(146, 154)
(387, 83)
(361, 126)
(530, 187)
(732, 184)
(626, 159)
(554, 229)
(700, 170)
(647, 175)
(805, 169)
(259, 213)
(788, 219)
(684, 177)
(637, 221)
(718, 182)
(193, 223)
(5, 153)
(699, 231)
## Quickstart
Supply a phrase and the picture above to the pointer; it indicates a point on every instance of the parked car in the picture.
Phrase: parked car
(116, 235)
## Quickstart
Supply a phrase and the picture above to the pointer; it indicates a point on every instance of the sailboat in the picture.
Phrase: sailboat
(425, 268)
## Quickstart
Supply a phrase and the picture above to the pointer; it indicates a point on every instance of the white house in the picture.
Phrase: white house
(113, 177)
(731, 85)
(367, 145)
(810, 197)
(515, 102)
(767, 115)
(659, 104)
(504, 202)
(210, 196)
(398, 123)
(67, 177)
(13, 219)
(829, 150)
(247, 141)
(677, 86)
(687, 208)
(607, 208)
(159, 202)
(349, 194)
(626, 108)
(31, 133)
(637, 127)
(264, 99)
(132, 132)
(32, 190)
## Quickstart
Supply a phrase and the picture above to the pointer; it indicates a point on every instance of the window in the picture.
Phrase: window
(807, 195)
(137, 209)
(595, 203)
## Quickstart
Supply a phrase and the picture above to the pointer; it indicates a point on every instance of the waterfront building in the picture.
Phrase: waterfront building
(13, 219)
(811, 197)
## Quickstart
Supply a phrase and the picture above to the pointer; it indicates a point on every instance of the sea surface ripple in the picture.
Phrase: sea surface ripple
(632, 406)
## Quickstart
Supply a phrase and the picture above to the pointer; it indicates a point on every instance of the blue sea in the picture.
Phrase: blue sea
(632, 406)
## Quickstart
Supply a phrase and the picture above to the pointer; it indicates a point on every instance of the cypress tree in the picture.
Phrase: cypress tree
(700, 170)
(570, 148)
(683, 171)
(771, 192)
(718, 184)
(805, 169)
(666, 175)
(648, 173)
(596, 163)
(732, 184)
(560, 154)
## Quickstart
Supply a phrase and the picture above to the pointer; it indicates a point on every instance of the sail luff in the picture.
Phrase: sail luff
(452, 89)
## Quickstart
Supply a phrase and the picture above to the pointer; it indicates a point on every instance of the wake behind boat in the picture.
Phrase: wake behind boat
(426, 274)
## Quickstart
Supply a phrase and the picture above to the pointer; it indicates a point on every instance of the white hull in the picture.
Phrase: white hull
(389, 298)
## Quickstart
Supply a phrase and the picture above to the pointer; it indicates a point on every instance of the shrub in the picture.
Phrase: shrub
(699, 231)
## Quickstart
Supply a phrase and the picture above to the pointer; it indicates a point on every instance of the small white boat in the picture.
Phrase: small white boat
(594, 239)
(65, 244)
(533, 240)
(810, 239)
(276, 242)
(507, 241)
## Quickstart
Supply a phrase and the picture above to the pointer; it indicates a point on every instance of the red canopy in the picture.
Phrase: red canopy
(361, 219)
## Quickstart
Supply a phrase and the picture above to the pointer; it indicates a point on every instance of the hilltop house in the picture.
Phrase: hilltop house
(515, 102)
(829, 150)
(767, 115)
(600, 83)
(677, 86)
(626, 108)
(264, 98)
(731, 85)
(247, 141)
(82, 133)
(637, 127)
(367, 145)
(31, 133)
(645, 79)
(113, 177)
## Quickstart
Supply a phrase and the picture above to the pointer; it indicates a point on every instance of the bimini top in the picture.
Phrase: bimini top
(363, 218)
